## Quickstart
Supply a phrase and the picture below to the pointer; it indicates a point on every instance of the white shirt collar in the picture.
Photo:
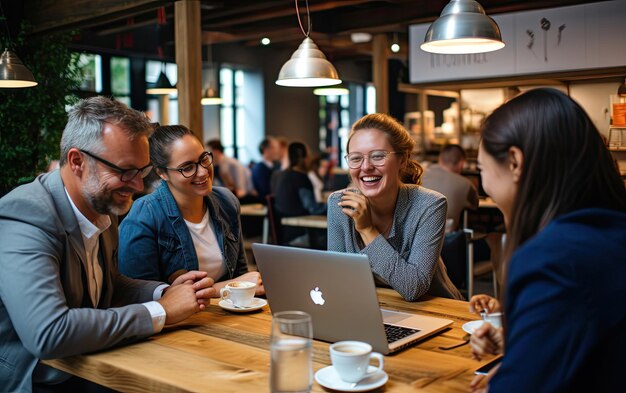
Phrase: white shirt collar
(88, 229)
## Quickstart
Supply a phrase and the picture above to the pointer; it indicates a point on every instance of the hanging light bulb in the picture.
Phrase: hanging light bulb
(307, 67)
(211, 97)
(463, 27)
(395, 45)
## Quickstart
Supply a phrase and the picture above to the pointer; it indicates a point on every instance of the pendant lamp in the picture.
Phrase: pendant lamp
(462, 28)
(162, 85)
(13, 73)
(210, 97)
(307, 67)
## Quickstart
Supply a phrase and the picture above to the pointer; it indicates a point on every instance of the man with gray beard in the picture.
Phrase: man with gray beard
(60, 290)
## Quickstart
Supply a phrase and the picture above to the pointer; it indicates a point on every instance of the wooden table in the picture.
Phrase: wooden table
(312, 221)
(257, 210)
(219, 351)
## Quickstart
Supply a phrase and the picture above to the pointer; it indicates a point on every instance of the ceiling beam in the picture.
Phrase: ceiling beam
(48, 16)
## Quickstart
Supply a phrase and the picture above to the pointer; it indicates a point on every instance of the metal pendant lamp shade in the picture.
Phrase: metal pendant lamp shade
(463, 27)
(211, 97)
(13, 73)
(162, 86)
(308, 67)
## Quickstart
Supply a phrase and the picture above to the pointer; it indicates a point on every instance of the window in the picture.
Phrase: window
(120, 79)
(242, 121)
(338, 113)
(90, 66)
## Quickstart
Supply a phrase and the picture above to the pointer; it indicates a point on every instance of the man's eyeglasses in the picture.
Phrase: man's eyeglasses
(126, 175)
(191, 168)
(376, 158)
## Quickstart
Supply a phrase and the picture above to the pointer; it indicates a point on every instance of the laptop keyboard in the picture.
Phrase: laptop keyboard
(395, 333)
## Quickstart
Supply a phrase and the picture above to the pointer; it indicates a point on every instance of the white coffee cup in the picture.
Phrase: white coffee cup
(240, 293)
(495, 319)
(351, 360)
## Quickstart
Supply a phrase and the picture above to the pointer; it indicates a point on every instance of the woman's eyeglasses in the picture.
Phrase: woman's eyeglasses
(376, 158)
(191, 168)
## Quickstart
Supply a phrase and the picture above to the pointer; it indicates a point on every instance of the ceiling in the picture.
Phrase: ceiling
(132, 26)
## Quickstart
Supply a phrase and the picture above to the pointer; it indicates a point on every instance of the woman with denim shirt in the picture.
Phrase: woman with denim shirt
(186, 223)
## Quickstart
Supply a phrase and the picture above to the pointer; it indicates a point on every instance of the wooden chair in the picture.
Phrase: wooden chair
(458, 256)
(274, 221)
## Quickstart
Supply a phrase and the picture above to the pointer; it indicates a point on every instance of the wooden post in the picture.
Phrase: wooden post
(189, 61)
(380, 72)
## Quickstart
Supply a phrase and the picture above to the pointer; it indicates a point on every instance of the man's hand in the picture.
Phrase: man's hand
(201, 283)
(179, 303)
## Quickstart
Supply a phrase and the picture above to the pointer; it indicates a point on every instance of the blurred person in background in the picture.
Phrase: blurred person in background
(294, 195)
(232, 173)
(262, 171)
(445, 177)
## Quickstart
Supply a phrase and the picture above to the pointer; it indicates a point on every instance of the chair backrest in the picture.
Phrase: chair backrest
(274, 220)
(454, 255)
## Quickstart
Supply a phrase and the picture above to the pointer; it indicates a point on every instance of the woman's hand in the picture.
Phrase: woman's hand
(480, 383)
(480, 303)
(487, 340)
(355, 205)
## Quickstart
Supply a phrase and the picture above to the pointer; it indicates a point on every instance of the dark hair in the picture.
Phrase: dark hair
(399, 139)
(215, 144)
(452, 154)
(297, 154)
(264, 145)
(161, 142)
(566, 165)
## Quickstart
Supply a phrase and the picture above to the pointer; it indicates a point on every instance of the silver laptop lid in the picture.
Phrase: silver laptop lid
(342, 301)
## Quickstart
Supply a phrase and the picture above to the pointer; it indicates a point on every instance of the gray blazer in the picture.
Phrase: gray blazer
(408, 260)
(45, 308)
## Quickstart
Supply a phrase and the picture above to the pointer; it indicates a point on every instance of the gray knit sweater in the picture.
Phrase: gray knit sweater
(409, 259)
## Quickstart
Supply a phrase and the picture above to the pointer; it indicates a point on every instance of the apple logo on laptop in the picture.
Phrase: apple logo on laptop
(316, 296)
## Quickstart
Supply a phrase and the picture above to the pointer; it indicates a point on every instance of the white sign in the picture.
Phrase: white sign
(556, 39)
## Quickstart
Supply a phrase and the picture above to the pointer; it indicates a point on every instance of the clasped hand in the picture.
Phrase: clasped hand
(189, 293)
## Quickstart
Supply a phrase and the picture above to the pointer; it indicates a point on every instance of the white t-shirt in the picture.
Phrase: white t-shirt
(210, 257)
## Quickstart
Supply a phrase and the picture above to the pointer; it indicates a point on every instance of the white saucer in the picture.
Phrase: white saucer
(328, 378)
(471, 326)
(256, 304)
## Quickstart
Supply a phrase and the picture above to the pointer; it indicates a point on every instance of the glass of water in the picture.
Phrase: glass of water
(291, 368)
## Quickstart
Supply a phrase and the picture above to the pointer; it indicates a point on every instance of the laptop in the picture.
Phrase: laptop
(338, 291)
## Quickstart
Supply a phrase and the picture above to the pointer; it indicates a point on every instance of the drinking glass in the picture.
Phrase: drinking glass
(291, 369)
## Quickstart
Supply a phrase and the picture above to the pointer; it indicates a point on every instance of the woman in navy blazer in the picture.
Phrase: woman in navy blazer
(186, 223)
(544, 163)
